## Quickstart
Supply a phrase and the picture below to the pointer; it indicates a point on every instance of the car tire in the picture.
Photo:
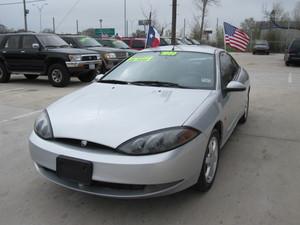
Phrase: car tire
(210, 163)
(87, 77)
(4, 75)
(31, 77)
(287, 63)
(58, 75)
(254, 53)
(244, 118)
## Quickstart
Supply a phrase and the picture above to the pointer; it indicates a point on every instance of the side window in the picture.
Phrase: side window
(138, 44)
(12, 42)
(28, 41)
(228, 68)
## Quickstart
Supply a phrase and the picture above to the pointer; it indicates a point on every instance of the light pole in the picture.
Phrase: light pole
(26, 11)
(101, 21)
(125, 18)
(40, 8)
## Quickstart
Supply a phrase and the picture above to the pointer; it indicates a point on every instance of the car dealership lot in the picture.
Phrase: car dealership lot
(258, 180)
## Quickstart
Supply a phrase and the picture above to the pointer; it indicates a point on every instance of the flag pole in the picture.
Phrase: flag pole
(147, 34)
(225, 46)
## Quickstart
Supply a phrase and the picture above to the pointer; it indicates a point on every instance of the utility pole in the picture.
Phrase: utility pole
(174, 18)
(25, 15)
(77, 27)
(53, 23)
(125, 18)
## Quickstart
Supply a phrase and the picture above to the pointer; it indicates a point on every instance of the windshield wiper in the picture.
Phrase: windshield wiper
(52, 46)
(64, 46)
(113, 82)
(157, 84)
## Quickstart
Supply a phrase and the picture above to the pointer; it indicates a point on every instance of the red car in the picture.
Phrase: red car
(135, 43)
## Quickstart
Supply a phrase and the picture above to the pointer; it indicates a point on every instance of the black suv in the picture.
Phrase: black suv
(292, 54)
(110, 56)
(45, 54)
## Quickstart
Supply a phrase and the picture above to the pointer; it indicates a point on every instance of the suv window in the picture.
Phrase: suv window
(228, 68)
(138, 44)
(28, 41)
(12, 42)
(296, 45)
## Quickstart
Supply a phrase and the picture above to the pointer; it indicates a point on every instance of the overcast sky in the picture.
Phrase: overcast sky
(88, 12)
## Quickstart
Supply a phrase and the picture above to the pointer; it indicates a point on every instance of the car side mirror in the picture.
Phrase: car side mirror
(235, 86)
(98, 77)
(35, 46)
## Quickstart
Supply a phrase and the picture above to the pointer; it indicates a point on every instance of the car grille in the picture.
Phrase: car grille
(89, 58)
(121, 55)
(79, 143)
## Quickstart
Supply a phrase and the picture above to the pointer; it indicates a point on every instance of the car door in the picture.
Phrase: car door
(11, 53)
(33, 59)
(231, 101)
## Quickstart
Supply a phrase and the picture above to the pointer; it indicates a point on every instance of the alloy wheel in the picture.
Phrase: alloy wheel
(211, 161)
(57, 75)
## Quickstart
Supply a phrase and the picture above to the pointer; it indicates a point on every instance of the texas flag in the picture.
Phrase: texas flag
(153, 38)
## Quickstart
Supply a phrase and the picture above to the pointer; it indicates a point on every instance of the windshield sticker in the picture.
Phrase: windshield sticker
(168, 53)
(140, 59)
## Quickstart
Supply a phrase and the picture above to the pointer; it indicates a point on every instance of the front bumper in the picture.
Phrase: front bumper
(122, 176)
(83, 64)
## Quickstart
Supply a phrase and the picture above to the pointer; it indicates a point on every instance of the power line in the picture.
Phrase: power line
(17, 3)
(68, 13)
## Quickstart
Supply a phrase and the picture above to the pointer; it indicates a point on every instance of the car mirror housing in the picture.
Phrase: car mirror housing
(98, 77)
(235, 86)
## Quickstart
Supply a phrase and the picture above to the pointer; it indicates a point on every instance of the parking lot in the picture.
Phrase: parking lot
(258, 181)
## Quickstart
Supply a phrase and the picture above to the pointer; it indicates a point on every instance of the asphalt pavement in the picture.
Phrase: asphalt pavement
(258, 181)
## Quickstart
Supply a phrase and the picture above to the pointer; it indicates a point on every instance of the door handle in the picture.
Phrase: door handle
(4, 52)
(22, 51)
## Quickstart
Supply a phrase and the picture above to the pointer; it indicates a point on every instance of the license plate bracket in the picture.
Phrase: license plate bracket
(76, 170)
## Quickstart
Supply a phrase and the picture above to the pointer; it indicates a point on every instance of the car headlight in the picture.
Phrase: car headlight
(159, 141)
(110, 56)
(42, 126)
(75, 58)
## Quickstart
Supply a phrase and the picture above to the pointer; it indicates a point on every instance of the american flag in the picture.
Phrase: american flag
(235, 37)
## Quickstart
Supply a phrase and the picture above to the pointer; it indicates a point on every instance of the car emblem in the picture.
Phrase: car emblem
(84, 143)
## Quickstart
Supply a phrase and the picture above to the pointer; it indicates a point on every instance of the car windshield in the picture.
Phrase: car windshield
(120, 44)
(166, 69)
(86, 42)
(52, 41)
(261, 43)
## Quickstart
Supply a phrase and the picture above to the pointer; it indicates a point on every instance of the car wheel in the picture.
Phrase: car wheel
(87, 77)
(210, 163)
(58, 75)
(246, 112)
(254, 53)
(31, 77)
(4, 75)
(287, 63)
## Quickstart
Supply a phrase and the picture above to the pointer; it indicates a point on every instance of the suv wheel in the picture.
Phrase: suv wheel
(210, 163)
(58, 75)
(87, 77)
(4, 75)
(31, 77)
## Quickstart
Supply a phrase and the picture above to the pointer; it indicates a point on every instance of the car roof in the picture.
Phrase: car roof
(29, 33)
(186, 48)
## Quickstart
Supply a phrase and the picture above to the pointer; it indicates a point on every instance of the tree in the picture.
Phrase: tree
(296, 14)
(249, 26)
(202, 6)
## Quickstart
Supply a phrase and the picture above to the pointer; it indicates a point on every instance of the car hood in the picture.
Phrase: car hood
(71, 51)
(112, 114)
(105, 49)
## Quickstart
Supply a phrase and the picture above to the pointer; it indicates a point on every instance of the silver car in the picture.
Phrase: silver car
(153, 126)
